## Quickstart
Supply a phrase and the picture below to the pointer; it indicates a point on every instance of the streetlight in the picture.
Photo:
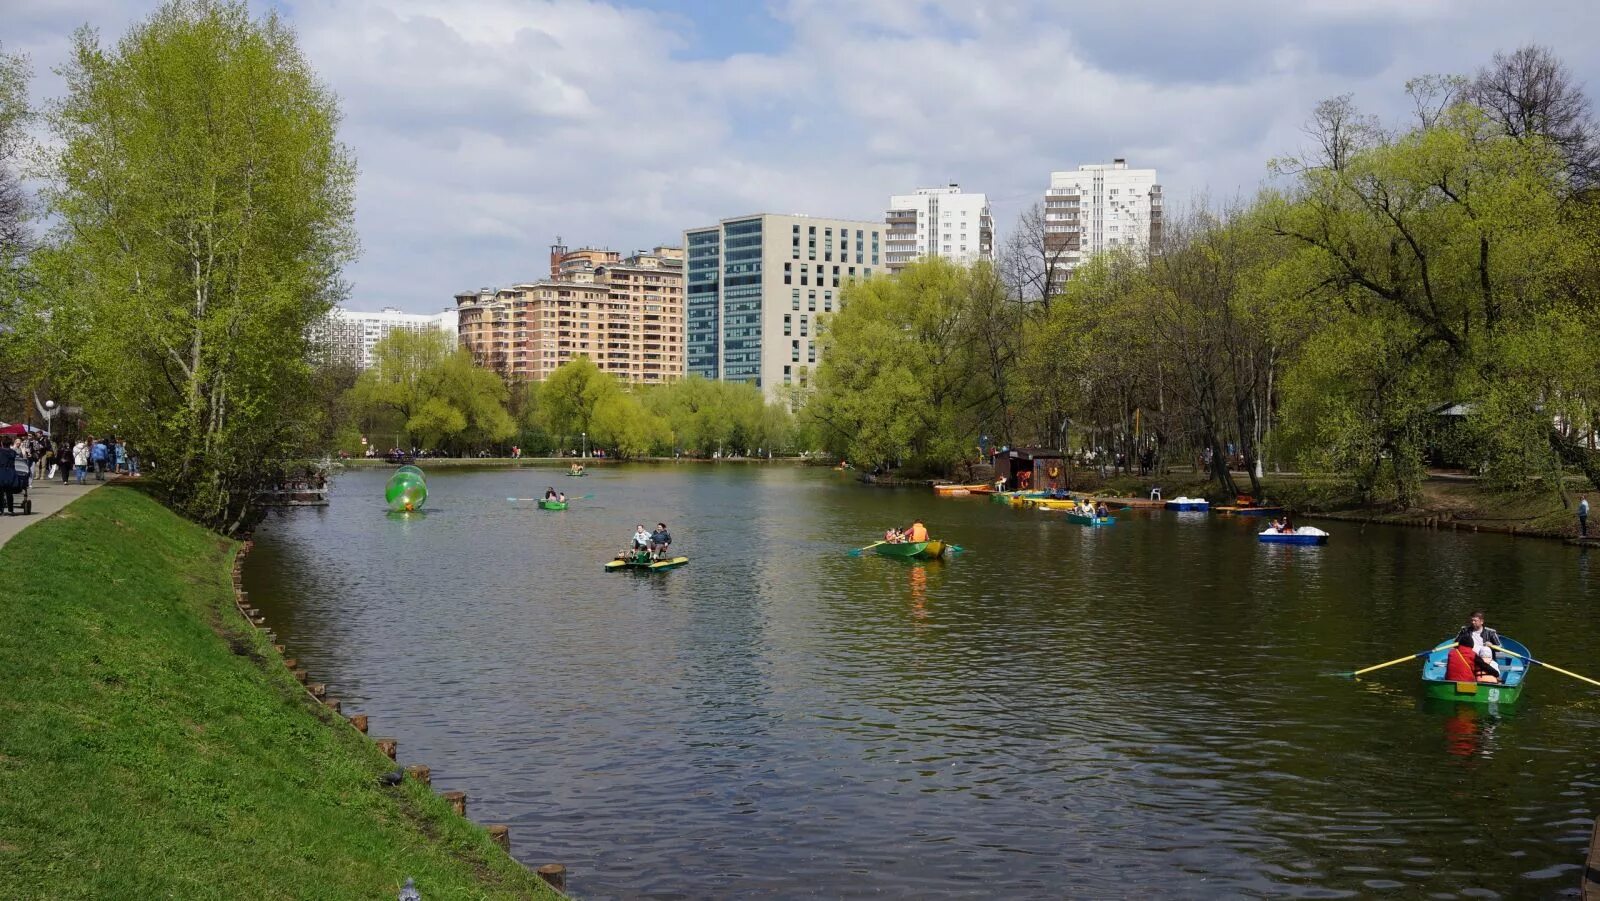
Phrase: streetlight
(585, 453)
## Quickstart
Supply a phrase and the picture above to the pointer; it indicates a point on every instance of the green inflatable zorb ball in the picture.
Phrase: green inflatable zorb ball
(406, 491)
(413, 470)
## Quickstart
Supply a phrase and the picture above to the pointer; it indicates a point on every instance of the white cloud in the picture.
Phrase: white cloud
(484, 128)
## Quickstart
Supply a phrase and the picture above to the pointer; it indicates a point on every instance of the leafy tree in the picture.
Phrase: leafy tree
(566, 401)
(204, 205)
(441, 399)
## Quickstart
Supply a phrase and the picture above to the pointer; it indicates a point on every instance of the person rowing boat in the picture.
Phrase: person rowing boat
(1481, 638)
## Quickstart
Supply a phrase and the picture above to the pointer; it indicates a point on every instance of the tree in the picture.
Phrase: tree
(439, 397)
(567, 400)
(204, 207)
(1033, 262)
(1530, 93)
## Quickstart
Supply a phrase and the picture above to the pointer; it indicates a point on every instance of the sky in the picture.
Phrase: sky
(484, 129)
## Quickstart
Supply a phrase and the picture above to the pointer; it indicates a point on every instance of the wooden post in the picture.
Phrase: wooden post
(333, 704)
(390, 747)
(457, 802)
(301, 675)
(554, 875)
(359, 720)
(421, 773)
(501, 834)
(291, 662)
(278, 648)
(318, 689)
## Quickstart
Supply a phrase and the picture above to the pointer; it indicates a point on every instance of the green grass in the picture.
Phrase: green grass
(153, 745)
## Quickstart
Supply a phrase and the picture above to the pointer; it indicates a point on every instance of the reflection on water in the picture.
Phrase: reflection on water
(1058, 711)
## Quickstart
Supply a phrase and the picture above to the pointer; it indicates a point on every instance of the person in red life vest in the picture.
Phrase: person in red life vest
(1464, 665)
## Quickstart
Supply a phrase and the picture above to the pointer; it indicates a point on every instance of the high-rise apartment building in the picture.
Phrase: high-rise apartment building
(624, 314)
(1098, 207)
(349, 336)
(754, 286)
(938, 222)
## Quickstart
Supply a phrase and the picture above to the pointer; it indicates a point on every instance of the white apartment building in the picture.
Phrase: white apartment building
(350, 336)
(1100, 206)
(938, 222)
(755, 285)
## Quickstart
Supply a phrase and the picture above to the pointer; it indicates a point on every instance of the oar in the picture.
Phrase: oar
(583, 498)
(1396, 660)
(1545, 665)
(857, 551)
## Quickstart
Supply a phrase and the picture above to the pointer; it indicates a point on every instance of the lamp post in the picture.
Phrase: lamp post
(585, 453)
(50, 412)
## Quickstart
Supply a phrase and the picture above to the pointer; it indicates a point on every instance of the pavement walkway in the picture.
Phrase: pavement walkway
(48, 497)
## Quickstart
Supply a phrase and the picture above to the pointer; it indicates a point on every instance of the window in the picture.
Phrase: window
(788, 276)
(786, 322)
(804, 327)
(811, 301)
(795, 299)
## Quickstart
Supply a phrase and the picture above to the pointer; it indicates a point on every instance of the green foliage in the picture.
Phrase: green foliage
(566, 401)
(903, 377)
(440, 398)
(204, 206)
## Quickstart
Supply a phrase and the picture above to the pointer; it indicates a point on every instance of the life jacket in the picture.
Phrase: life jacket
(919, 532)
(1461, 665)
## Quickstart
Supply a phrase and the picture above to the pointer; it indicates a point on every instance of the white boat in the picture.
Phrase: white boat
(1188, 503)
(1302, 535)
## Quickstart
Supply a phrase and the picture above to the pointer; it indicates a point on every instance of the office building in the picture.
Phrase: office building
(754, 286)
(938, 222)
(1099, 207)
(349, 336)
(625, 314)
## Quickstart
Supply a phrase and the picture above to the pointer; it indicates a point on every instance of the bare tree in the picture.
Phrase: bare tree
(1033, 260)
(1530, 92)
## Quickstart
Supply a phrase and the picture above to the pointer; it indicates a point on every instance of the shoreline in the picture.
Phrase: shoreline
(151, 707)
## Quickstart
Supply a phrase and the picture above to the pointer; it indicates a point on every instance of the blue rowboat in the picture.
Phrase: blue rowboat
(1302, 535)
(1512, 674)
(1086, 520)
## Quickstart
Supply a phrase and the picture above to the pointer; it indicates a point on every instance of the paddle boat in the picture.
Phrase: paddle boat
(639, 561)
(1199, 504)
(908, 550)
(1301, 535)
(545, 504)
(1513, 671)
(1084, 519)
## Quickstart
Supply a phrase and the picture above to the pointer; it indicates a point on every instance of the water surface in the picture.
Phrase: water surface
(1058, 712)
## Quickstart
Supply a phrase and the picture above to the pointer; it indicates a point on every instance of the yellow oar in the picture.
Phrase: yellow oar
(857, 551)
(1399, 660)
(1545, 665)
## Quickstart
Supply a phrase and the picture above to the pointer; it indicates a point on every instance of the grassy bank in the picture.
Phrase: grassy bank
(154, 746)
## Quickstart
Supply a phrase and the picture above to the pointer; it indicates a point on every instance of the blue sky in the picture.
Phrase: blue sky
(484, 128)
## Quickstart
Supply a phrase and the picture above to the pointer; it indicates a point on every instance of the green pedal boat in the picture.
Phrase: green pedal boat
(641, 562)
(1513, 671)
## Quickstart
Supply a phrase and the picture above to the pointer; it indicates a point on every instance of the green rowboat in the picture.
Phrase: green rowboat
(1513, 672)
(908, 550)
(552, 505)
(1085, 520)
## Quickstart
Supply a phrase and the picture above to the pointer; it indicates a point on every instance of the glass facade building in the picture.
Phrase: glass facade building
(743, 286)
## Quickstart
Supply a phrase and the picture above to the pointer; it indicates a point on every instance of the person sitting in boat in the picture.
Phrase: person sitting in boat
(1482, 637)
(561, 496)
(1280, 525)
(576, 467)
(1086, 508)
(660, 541)
(1464, 665)
(641, 538)
(916, 532)
(549, 494)
(1101, 511)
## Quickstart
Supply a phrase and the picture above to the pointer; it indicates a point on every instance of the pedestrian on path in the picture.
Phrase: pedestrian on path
(1583, 515)
(8, 474)
(80, 459)
(97, 456)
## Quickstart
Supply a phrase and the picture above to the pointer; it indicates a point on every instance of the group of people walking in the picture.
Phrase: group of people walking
(26, 458)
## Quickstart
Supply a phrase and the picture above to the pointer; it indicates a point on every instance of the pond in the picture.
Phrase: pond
(1057, 711)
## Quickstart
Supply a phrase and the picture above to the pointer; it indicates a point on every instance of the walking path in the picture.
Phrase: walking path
(48, 496)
